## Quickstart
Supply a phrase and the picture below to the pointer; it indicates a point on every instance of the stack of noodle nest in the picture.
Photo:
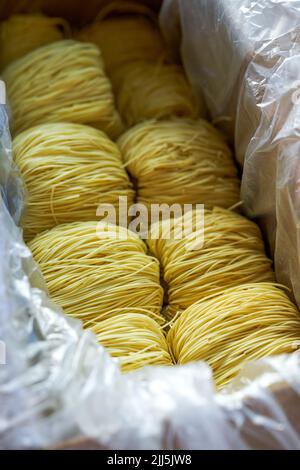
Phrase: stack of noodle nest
(102, 275)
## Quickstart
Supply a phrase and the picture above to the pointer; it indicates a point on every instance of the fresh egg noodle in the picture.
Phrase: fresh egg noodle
(68, 170)
(94, 271)
(21, 34)
(157, 91)
(63, 81)
(241, 324)
(135, 338)
(180, 161)
(219, 296)
(232, 254)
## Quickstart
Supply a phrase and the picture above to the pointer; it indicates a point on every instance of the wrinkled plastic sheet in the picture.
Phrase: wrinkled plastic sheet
(58, 384)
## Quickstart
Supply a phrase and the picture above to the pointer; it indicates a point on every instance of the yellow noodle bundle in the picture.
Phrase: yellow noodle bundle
(63, 81)
(68, 170)
(135, 339)
(125, 39)
(243, 323)
(232, 254)
(21, 34)
(180, 161)
(95, 272)
(155, 91)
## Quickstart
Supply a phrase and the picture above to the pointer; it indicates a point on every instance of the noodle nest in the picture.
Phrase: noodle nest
(232, 253)
(68, 170)
(135, 339)
(241, 324)
(155, 91)
(63, 81)
(180, 161)
(96, 271)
